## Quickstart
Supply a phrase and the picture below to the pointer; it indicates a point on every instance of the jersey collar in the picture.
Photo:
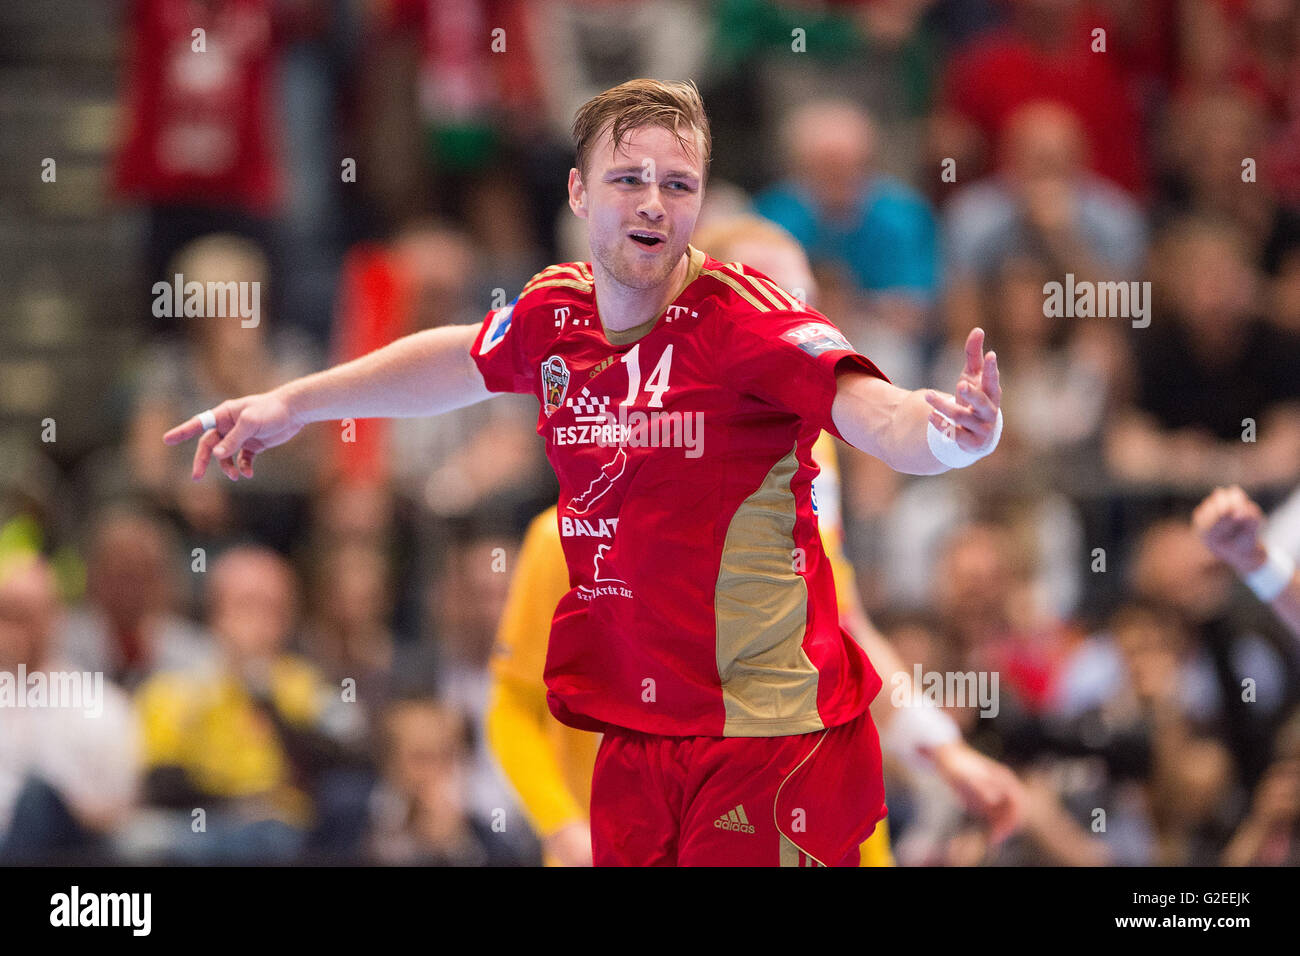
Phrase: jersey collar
(628, 336)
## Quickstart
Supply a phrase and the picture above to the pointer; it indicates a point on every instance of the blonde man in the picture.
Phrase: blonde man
(680, 400)
(550, 764)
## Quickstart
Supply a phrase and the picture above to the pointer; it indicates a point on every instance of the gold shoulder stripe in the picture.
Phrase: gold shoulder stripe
(790, 302)
(564, 269)
(581, 286)
(737, 287)
(770, 290)
(551, 273)
(765, 289)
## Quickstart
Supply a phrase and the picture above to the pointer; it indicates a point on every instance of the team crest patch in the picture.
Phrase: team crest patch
(555, 383)
(818, 337)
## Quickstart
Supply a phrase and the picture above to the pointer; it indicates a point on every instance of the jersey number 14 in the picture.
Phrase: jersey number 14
(656, 384)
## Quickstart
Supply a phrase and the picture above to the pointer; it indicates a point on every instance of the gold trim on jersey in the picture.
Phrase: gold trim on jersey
(774, 293)
(573, 275)
(737, 288)
(577, 270)
(554, 283)
(769, 684)
(628, 336)
(747, 285)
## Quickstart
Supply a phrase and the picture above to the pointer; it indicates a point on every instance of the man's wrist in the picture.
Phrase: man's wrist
(944, 447)
(292, 395)
(916, 733)
(1247, 564)
(1271, 578)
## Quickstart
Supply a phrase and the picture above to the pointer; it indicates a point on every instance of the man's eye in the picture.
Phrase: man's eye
(628, 179)
(681, 187)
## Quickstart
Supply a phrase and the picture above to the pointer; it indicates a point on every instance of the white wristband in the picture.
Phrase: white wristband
(948, 452)
(1271, 578)
(208, 420)
(916, 729)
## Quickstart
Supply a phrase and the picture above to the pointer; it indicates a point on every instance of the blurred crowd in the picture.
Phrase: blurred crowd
(297, 666)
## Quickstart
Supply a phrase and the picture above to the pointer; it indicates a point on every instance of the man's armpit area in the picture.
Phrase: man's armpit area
(857, 365)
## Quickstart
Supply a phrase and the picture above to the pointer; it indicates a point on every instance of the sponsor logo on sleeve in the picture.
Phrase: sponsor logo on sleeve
(817, 337)
(497, 328)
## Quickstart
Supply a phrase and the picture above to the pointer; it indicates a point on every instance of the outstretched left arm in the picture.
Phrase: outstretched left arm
(892, 423)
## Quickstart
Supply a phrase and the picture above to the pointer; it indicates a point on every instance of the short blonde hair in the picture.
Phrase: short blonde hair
(639, 103)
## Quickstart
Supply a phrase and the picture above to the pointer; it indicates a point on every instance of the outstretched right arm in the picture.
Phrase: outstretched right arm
(425, 373)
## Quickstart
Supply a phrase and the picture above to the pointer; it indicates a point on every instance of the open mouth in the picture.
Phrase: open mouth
(647, 239)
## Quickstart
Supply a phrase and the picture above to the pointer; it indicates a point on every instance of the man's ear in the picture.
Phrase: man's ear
(577, 194)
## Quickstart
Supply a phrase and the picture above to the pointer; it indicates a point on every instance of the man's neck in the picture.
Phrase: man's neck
(622, 308)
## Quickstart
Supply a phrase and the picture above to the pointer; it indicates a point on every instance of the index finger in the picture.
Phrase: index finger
(190, 428)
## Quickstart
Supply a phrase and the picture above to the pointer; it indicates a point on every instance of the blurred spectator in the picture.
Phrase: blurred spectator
(68, 768)
(586, 46)
(1229, 643)
(1067, 371)
(1211, 135)
(872, 228)
(1269, 835)
(347, 514)
(1252, 46)
(1042, 202)
(348, 636)
(220, 356)
(417, 281)
(982, 590)
(1215, 388)
(769, 57)
(199, 144)
(425, 279)
(465, 605)
(1044, 523)
(1124, 700)
(131, 626)
(246, 738)
(453, 87)
(419, 814)
(1045, 52)
(317, 44)
(1191, 775)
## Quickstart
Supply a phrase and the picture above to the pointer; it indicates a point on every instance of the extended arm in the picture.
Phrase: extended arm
(892, 423)
(424, 373)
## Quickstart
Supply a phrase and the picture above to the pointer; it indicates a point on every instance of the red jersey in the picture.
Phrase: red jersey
(200, 126)
(701, 600)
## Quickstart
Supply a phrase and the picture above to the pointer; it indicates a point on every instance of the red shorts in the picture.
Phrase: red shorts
(801, 800)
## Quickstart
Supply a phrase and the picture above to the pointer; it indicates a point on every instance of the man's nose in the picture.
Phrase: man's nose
(651, 205)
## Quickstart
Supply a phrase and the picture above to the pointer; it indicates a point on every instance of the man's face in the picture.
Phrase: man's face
(252, 610)
(650, 189)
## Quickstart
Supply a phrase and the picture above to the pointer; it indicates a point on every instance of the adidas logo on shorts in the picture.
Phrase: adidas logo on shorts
(734, 820)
